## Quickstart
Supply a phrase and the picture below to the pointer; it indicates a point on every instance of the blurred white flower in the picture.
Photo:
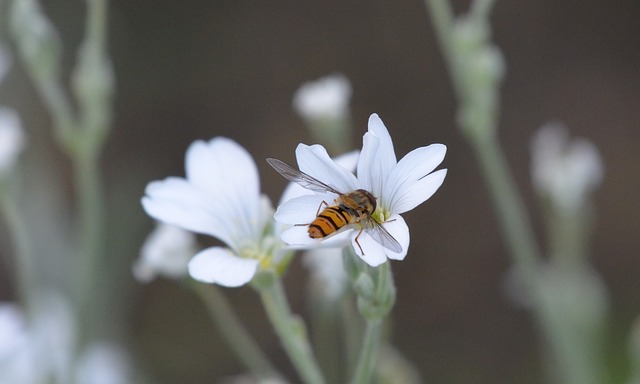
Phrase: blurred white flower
(104, 363)
(566, 171)
(40, 350)
(325, 98)
(17, 359)
(220, 197)
(166, 252)
(325, 265)
(397, 187)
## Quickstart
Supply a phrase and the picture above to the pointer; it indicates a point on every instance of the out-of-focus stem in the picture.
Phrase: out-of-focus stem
(368, 353)
(26, 278)
(231, 329)
(291, 331)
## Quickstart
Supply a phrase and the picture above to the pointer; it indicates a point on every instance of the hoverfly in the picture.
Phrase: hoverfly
(351, 208)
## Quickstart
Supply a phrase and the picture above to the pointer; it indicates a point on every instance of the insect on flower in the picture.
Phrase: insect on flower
(351, 208)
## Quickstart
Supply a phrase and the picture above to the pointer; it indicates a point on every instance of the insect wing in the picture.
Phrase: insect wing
(292, 174)
(382, 236)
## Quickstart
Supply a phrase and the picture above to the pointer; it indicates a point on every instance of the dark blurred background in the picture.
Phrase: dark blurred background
(190, 70)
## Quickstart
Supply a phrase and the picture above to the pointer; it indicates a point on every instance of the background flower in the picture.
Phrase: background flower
(166, 252)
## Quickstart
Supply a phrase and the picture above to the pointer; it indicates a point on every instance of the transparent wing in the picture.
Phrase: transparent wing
(382, 236)
(292, 174)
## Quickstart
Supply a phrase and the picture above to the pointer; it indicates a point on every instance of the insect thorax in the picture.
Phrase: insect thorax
(358, 203)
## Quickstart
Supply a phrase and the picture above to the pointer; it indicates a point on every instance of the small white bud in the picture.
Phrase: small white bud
(566, 171)
(325, 98)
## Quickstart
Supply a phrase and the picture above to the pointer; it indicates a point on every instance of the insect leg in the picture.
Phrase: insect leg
(320, 206)
(356, 239)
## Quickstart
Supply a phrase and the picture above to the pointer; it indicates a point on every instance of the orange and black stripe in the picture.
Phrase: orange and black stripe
(328, 222)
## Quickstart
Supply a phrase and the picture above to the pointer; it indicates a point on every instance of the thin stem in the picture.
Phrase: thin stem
(507, 201)
(442, 19)
(236, 336)
(88, 186)
(325, 333)
(291, 331)
(93, 91)
(24, 257)
(384, 297)
(58, 104)
(371, 342)
(352, 324)
(509, 206)
(480, 9)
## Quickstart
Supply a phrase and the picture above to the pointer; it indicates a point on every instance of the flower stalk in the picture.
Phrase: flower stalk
(237, 337)
(26, 279)
(376, 295)
(291, 331)
(80, 134)
(571, 325)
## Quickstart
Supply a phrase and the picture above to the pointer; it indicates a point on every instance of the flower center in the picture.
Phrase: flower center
(263, 252)
(381, 215)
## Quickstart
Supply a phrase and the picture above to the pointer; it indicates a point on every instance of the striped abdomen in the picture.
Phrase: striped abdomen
(329, 221)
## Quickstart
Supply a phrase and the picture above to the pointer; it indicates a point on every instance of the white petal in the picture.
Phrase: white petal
(301, 210)
(367, 163)
(166, 252)
(220, 266)
(377, 127)
(398, 228)
(228, 173)
(374, 253)
(315, 161)
(293, 190)
(378, 157)
(298, 237)
(416, 193)
(220, 163)
(409, 170)
(175, 201)
(348, 160)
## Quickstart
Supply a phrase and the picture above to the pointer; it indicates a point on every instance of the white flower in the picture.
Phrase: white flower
(104, 363)
(566, 171)
(220, 197)
(40, 350)
(397, 186)
(325, 98)
(327, 269)
(166, 252)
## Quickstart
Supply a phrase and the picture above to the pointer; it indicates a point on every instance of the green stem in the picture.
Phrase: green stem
(507, 202)
(291, 331)
(368, 353)
(480, 9)
(325, 332)
(352, 324)
(231, 329)
(374, 311)
(26, 279)
(509, 206)
(93, 86)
